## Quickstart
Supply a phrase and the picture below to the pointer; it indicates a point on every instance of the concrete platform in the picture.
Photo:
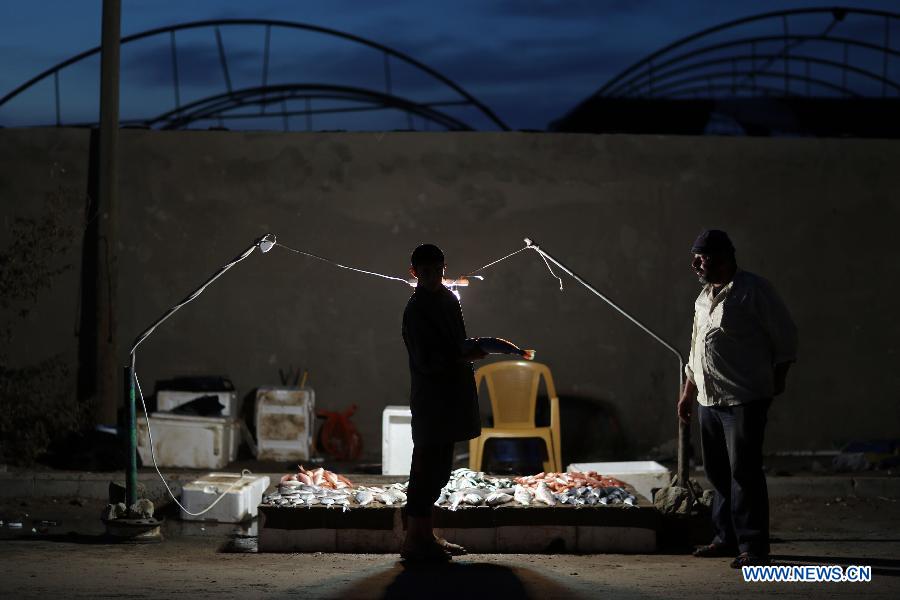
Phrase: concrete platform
(505, 529)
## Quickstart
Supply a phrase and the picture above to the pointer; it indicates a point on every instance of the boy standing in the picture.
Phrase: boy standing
(443, 399)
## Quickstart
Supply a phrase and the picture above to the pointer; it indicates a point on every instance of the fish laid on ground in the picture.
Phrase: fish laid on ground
(559, 482)
(396, 494)
(473, 499)
(497, 498)
(522, 495)
(364, 497)
(456, 499)
(543, 494)
(385, 498)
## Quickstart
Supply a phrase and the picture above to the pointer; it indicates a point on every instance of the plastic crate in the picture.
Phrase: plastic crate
(239, 504)
(189, 441)
(396, 440)
(285, 421)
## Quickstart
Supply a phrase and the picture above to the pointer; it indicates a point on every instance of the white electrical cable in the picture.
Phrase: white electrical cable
(510, 255)
(337, 264)
(244, 472)
(549, 268)
(190, 298)
(219, 273)
(491, 264)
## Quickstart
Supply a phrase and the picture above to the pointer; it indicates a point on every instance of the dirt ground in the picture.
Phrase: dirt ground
(69, 560)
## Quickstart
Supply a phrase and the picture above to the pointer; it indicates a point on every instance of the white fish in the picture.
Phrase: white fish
(522, 495)
(386, 498)
(629, 500)
(543, 494)
(441, 499)
(364, 497)
(472, 498)
(497, 498)
(397, 495)
(455, 499)
(604, 500)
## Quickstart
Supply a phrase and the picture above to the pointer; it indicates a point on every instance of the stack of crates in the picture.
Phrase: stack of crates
(182, 440)
(285, 423)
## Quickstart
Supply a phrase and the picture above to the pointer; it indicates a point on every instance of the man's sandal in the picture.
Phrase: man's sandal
(745, 559)
(714, 551)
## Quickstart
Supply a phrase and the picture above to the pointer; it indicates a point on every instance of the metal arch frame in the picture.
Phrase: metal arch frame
(752, 73)
(644, 69)
(268, 24)
(637, 82)
(695, 91)
(216, 107)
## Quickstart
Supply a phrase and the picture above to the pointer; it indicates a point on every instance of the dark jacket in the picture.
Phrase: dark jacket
(443, 398)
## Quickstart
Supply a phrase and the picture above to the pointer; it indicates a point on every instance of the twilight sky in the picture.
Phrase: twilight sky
(529, 60)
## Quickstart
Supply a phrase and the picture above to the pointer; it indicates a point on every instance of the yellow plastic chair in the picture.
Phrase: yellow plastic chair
(513, 388)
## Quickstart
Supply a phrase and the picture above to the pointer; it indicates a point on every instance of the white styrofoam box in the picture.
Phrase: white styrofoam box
(189, 441)
(396, 440)
(166, 400)
(240, 503)
(285, 421)
(642, 475)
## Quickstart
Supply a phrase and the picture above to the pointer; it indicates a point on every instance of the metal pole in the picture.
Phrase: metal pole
(131, 474)
(106, 398)
(130, 381)
(684, 429)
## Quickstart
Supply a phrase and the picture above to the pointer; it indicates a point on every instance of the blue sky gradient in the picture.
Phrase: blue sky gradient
(530, 61)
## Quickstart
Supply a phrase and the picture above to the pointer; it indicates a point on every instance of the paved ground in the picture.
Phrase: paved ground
(69, 560)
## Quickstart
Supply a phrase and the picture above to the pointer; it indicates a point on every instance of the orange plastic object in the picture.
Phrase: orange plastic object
(338, 436)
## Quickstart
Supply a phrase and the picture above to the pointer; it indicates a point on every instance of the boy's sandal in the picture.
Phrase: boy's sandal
(450, 547)
(714, 551)
(424, 553)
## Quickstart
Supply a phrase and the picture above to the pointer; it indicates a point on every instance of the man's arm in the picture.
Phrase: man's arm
(686, 401)
(689, 391)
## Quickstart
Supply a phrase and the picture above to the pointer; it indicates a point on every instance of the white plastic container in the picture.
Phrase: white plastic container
(285, 421)
(167, 400)
(189, 441)
(239, 504)
(396, 440)
(642, 475)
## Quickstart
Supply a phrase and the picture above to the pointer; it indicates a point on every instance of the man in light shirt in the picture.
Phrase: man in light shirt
(742, 344)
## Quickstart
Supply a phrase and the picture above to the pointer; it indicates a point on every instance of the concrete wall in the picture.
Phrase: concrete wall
(817, 217)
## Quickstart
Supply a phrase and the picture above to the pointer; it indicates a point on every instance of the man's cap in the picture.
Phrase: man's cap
(426, 254)
(712, 241)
